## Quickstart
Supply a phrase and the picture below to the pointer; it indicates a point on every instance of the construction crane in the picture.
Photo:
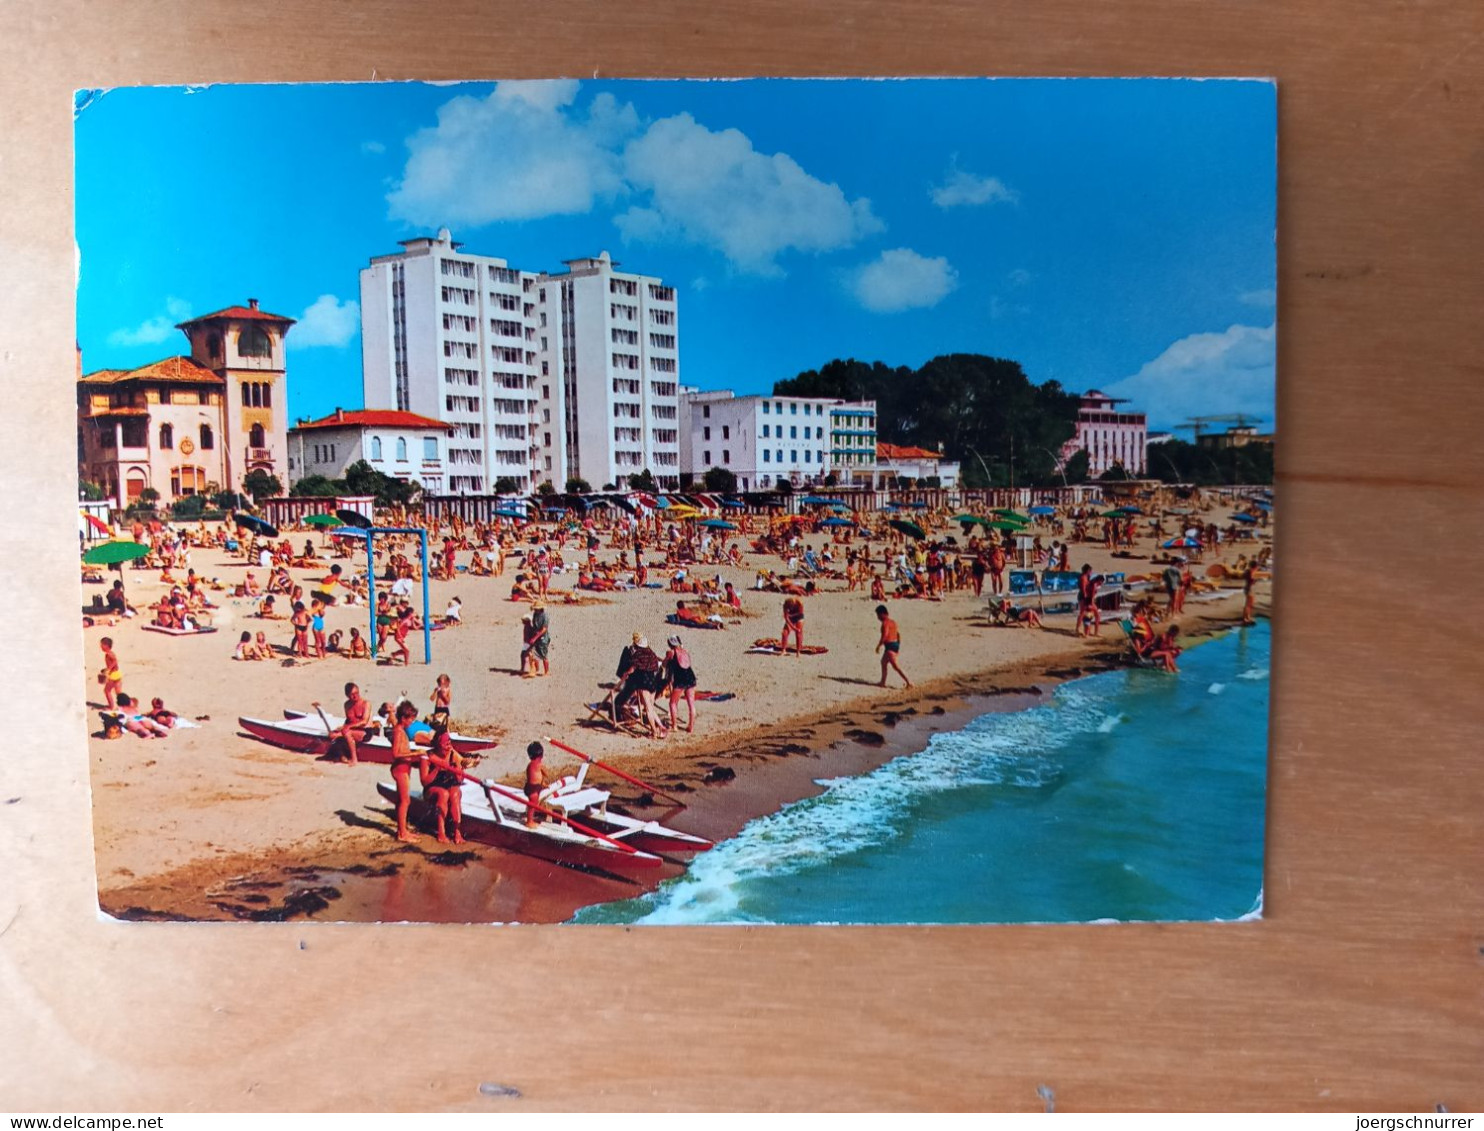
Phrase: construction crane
(1197, 424)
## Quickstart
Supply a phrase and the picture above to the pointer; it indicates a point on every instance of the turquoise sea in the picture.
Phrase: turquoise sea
(1130, 795)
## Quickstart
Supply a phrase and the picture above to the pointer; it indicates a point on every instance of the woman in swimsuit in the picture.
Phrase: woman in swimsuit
(403, 759)
(682, 680)
(438, 773)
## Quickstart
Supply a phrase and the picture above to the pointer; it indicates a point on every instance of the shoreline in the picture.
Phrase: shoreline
(358, 874)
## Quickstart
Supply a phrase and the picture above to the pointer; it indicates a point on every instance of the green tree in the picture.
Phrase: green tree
(784, 487)
(576, 486)
(1077, 467)
(980, 411)
(545, 488)
(719, 479)
(311, 486)
(90, 491)
(687, 480)
(190, 507)
(505, 485)
(832, 480)
(1177, 461)
(261, 485)
(1115, 474)
(643, 481)
(148, 497)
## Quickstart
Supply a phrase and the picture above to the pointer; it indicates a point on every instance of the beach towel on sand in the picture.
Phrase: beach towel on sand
(200, 631)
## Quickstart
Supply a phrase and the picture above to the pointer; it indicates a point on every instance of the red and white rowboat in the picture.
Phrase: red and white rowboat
(309, 735)
(547, 840)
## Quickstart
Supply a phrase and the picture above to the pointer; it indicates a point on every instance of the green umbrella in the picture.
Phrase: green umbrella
(911, 529)
(1113, 514)
(111, 553)
(1011, 516)
(1001, 524)
(323, 520)
(966, 517)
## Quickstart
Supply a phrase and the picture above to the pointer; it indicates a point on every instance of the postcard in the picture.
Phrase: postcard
(678, 502)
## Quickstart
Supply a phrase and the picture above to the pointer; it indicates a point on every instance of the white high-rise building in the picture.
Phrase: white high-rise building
(609, 391)
(540, 376)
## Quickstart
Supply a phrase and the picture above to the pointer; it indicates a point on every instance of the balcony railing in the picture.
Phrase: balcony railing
(260, 455)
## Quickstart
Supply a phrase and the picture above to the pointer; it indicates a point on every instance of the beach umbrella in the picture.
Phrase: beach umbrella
(734, 504)
(114, 553)
(966, 517)
(1263, 505)
(352, 518)
(837, 522)
(111, 553)
(1112, 514)
(911, 529)
(718, 524)
(1244, 518)
(918, 506)
(1041, 510)
(325, 520)
(1011, 516)
(256, 525)
(96, 523)
(661, 503)
(1180, 544)
(509, 512)
(890, 506)
(1001, 524)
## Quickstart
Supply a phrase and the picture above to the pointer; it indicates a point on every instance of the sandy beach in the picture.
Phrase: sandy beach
(211, 823)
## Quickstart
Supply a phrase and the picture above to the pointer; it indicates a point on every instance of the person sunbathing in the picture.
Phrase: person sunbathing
(137, 723)
(266, 610)
(521, 590)
(691, 617)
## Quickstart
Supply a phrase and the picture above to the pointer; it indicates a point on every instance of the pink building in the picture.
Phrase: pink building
(1108, 436)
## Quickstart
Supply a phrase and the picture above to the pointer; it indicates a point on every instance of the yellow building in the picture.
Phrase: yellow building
(178, 424)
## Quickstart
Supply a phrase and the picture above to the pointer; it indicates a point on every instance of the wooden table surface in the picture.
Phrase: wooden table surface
(1360, 990)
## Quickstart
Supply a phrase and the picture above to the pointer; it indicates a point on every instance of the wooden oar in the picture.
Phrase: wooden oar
(614, 770)
(329, 736)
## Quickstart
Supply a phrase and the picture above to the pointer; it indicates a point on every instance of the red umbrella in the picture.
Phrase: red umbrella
(98, 525)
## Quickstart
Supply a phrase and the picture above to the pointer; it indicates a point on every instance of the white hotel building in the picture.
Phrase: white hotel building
(540, 376)
(764, 440)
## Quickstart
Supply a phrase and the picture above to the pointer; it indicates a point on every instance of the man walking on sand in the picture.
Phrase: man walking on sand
(890, 645)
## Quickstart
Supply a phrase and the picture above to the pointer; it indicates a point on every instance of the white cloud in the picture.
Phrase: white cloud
(1206, 375)
(153, 330)
(1266, 297)
(962, 188)
(327, 322)
(521, 153)
(712, 188)
(900, 279)
(373, 147)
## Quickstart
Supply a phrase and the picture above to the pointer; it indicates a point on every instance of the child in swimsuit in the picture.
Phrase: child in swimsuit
(535, 780)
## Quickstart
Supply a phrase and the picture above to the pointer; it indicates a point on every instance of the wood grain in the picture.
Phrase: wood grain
(1360, 991)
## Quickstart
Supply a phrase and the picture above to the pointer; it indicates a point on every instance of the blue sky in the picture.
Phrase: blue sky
(1116, 234)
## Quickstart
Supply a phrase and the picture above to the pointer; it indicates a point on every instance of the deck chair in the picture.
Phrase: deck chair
(1134, 656)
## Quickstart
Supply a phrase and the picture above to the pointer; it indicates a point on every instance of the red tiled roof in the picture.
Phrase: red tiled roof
(251, 313)
(166, 369)
(899, 451)
(372, 418)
